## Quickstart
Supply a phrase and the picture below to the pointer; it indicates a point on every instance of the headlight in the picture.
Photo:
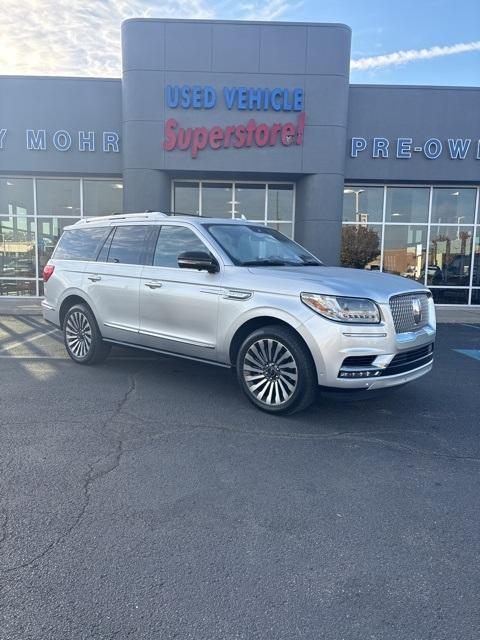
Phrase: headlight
(360, 310)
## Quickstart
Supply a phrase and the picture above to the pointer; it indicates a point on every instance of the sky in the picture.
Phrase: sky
(433, 42)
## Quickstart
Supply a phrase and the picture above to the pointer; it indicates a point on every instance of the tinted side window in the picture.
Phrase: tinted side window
(81, 244)
(103, 255)
(128, 244)
(171, 242)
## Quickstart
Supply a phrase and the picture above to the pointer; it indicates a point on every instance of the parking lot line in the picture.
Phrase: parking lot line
(470, 326)
(471, 353)
(19, 343)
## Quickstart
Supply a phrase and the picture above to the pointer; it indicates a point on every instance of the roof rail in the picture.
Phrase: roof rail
(147, 215)
(181, 213)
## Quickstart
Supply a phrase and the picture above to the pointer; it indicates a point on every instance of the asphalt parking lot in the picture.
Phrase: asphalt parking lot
(146, 498)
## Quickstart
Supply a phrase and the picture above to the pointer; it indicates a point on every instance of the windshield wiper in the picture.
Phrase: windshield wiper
(265, 262)
(311, 263)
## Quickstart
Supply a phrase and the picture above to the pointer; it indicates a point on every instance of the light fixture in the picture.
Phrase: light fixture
(396, 214)
(117, 185)
(455, 193)
(9, 184)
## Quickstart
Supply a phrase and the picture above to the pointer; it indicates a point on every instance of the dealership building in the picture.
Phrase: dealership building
(249, 120)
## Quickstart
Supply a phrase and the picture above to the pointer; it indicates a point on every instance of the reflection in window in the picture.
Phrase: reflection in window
(249, 201)
(450, 296)
(217, 199)
(407, 204)
(128, 244)
(449, 256)
(186, 198)
(175, 240)
(476, 260)
(18, 288)
(362, 204)
(361, 246)
(404, 251)
(280, 202)
(58, 197)
(283, 227)
(16, 196)
(17, 247)
(48, 234)
(453, 205)
(102, 197)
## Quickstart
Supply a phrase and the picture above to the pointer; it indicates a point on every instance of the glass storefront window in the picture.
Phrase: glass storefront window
(48, 234)
(18, 287)
(407, 204)
(449, 256)
(186, 197)
(476, 259)
(476, 296)
(249, 201)
(280, 202)
(452, 205)
(16, 196)
(362, 204)
(58, 197)
(361, 246)
(404, 251)
(102, 197)
(217, 199)
(17, 247)
(450, 296)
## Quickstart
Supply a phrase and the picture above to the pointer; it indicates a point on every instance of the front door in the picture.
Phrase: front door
(179, 307)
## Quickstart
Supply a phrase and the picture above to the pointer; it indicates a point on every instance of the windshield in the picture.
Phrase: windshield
(249, 245)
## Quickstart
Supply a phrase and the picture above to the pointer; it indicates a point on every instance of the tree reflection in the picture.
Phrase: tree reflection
(360, 247)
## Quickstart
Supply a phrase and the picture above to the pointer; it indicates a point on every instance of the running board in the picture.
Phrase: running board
(168, 353)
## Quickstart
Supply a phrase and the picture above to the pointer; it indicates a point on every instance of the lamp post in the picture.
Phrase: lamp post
(357, 193)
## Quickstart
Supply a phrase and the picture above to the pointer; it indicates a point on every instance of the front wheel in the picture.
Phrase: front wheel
(82, 337)
(276, 371)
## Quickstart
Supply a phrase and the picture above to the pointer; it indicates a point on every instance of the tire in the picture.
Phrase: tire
(82, 338)
(276, 371)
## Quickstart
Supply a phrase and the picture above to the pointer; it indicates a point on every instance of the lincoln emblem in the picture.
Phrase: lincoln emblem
(417, 310)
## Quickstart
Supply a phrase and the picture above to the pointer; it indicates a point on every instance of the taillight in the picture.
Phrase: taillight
(48, 269)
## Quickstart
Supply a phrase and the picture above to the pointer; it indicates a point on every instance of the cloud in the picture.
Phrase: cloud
(268, 10)
(402, 57)
(77, 37)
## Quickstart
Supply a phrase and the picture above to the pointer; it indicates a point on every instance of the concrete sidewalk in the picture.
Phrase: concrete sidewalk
(445, 314)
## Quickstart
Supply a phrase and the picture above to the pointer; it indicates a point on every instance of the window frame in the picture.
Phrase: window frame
(145, 249)
(193, 229)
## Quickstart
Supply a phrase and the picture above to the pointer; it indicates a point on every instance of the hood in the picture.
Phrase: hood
(338, 281)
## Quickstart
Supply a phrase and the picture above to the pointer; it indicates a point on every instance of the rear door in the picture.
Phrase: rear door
(113, 282)
(179, 307)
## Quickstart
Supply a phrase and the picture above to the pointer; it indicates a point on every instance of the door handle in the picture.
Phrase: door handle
(153, 284)
(94, 278)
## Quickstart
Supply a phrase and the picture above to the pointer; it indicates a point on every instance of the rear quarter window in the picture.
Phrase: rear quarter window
(80, 244)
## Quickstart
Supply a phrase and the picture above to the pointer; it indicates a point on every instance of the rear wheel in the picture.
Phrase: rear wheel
(276, 370)
(82, 337)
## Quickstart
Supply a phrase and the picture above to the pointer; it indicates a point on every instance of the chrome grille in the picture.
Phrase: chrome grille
(402, 308)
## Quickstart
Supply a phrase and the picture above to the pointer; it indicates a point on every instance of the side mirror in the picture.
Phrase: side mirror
(200, 260)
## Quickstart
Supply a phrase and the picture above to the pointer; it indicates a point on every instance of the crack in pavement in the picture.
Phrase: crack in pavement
(91, 476)
(4, 524)
(365, 437)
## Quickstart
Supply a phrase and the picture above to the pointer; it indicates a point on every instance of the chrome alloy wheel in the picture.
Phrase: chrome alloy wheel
(270, 371)
(78, 334)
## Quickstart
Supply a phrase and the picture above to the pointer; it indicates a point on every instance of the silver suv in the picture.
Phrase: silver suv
(236, 294)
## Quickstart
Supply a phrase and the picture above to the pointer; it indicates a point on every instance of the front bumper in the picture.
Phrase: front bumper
(331, 343)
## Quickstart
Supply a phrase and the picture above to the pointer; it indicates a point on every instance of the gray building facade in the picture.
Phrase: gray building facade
(254, 120)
